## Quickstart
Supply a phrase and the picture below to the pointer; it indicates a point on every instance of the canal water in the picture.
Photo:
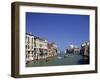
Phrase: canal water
(69, 59)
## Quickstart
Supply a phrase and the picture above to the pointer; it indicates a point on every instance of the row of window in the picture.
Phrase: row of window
(31, 40)
(28, 40)
(30, 54)
(27, 56)
(28, 47)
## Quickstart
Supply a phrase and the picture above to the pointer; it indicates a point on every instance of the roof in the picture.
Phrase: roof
(35, 37)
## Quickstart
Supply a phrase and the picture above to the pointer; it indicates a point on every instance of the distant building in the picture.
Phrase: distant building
(71, 46)
(52, 49)
(76, 50)
(72, 49)
(85, 49)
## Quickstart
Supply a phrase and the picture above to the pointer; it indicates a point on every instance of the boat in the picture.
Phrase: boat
(59, 57)
(66, 55)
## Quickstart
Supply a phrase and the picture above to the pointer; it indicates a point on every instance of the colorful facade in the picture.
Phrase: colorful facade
(52, 49)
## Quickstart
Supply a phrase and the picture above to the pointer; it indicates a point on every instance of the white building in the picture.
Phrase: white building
(40, 47)
(36, 47)
(29, 47)
(71, 46)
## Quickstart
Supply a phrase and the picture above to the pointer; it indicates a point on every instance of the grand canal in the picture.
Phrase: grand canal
(69, 59)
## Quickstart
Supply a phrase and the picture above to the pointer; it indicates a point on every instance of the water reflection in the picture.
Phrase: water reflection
(60, 59)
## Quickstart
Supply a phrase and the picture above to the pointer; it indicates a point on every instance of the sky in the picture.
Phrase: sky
(62, 29)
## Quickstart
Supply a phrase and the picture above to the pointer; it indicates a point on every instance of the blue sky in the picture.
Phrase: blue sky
(63, 29)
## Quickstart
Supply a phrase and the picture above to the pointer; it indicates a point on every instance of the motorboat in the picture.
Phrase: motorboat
(59, 57)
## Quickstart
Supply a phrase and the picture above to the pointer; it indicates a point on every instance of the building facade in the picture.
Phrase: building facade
(29, 47)
(38, 48)
(85, 49)
(76, 50)
(72, 49)
(52, 49)
(85, 52)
